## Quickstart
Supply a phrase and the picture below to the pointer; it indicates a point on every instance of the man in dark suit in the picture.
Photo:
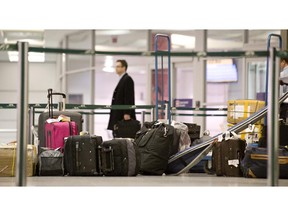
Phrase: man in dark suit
(123, 95)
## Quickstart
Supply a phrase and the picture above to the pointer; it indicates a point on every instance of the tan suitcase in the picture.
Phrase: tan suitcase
(8, 160)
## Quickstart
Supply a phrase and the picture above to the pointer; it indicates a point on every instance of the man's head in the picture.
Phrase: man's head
(283, 63)
(121, 66)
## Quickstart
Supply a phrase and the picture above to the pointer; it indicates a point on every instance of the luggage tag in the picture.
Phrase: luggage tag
(235, 136)
(220, 138)
(233, 162)
(227, 135)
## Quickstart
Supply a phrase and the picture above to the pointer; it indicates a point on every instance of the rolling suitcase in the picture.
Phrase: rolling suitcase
(254, 164)
(74, 116)
(126, 129)
(82, 155)
(120, 157)
(56, 133)
(227, 156)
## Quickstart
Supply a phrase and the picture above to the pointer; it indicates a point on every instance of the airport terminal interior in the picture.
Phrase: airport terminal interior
(200, 88)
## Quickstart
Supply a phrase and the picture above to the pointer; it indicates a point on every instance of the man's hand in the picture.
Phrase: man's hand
(127, 117)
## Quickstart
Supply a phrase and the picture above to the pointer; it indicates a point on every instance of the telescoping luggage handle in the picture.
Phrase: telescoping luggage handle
(267, 65)
(157, 36)
(108, 159)
(50, 101)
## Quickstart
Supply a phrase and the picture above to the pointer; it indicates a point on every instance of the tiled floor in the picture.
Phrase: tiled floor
(183, 180)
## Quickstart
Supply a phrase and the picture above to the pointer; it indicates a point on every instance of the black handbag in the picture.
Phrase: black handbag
(126, 128)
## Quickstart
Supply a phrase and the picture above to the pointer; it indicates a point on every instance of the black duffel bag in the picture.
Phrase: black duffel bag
(154, 141)
(254, 164)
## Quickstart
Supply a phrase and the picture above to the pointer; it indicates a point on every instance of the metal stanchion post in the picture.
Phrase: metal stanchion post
(152, 114)
(273, 123)
(22, 114)
(31, 123)
(143, 113)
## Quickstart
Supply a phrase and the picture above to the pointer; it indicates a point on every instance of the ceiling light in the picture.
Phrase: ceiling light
(183, 40)
(32, 56)
(112, 32)
(108, 69)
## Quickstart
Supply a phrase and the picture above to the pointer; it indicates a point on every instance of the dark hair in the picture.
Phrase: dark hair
(284, 59)
(123, 63)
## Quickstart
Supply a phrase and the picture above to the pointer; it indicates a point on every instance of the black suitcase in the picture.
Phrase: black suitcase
(51, 163)
(227, 156)
(155, 145)
(254, 164)
(120, 157)
(82, 155)
(76, 117)
(283, 132)
(193, 131)
(126, 129)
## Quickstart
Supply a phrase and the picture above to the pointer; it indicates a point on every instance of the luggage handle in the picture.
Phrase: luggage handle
(99, 159)
(108, 152)
(50, 101)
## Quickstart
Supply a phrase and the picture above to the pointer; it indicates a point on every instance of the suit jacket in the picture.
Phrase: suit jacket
(123, 95)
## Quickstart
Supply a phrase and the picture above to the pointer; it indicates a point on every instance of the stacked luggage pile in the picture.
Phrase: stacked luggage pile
(64, 150)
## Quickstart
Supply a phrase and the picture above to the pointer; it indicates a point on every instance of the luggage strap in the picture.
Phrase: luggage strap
(281, 159)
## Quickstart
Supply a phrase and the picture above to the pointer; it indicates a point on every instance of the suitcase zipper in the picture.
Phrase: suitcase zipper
(78, 164)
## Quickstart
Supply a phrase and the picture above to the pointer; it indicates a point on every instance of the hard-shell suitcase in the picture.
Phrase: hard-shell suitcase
(56, 133)
(82, 155)
(120, 157)
(126, 129)
(227, 156)
(74, 117)
(254, 164)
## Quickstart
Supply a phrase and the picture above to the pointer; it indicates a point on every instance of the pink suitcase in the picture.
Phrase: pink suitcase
(57, 131)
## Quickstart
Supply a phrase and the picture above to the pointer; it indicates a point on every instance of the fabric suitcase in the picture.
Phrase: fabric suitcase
(126, 129)
(8, 160)
(120, 157)
(155, 148)
(227, 156)
(193, 131)
(283, 132)
(57, 131)
(82, 155)
(254, 164)
(51, 163)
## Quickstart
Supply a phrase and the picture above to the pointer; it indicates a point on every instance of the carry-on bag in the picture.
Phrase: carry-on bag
(254, 164)
(283, 132)
(126, 128)
(227, 156)
(193, 131)
(155, 146)
(82, 155)
(184, 141)
(51, 163)
(51, 114)
(120, 157)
